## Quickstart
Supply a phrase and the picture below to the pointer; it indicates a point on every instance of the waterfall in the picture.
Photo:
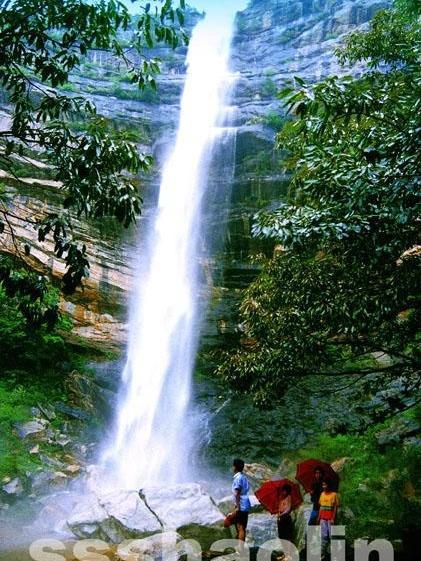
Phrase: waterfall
(154, 431)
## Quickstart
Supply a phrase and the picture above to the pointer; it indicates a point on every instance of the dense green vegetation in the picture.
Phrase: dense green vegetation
(338, 305)
(16, 403)
(27, 300)
(342, 298)
(379, 482)
(34, 364)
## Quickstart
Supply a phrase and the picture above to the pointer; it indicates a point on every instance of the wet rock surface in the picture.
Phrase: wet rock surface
(185, 510)
(113, 517)
(188, 510)
(158, 546)
(37, 427)
(13, 487)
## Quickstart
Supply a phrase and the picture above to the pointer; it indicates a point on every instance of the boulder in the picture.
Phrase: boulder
(31, 428)
(187, 509)
(258, 473)
(397, 432)
(13, 487)
(226, 504)
(261, 528)
(114, 517)
(88, 519)
(158, 546)
(42, 481)
(72, 468)
(47, 411)
(51, 462)
(73, 412)
(62, 440)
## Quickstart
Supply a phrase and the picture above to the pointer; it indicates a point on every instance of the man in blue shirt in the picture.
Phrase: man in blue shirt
(240, 491)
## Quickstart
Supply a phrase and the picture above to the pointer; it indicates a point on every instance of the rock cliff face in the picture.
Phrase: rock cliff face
(279, 39)
(274, 41)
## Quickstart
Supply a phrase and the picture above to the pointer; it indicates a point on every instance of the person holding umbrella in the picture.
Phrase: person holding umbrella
(281, 497)
(311, 473)
(285, 525)
(315, 492)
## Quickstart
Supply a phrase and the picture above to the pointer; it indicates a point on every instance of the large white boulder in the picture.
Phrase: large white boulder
(187, 509)
(87, 518)
(181, 505)
(113, 517)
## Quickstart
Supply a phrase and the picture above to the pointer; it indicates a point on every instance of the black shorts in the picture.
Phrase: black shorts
(242, 518)
(285, 528)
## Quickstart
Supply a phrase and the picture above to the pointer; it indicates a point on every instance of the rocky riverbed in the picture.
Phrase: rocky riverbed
(149, 520)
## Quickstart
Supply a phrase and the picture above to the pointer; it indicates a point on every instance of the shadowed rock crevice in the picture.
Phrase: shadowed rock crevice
(143, 498)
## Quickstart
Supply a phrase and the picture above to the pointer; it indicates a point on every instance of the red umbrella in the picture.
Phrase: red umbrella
(305, 473)
(268, 494)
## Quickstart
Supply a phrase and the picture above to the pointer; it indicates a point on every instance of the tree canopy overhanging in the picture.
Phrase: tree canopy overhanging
(341, 296)
(41, 43)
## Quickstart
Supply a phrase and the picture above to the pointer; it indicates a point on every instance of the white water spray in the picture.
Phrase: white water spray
(153, 436)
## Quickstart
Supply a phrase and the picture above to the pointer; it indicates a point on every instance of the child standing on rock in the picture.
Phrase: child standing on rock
(328, 508)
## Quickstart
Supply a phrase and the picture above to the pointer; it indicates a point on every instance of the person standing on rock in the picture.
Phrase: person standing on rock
(285, 524)
(316, 491)
(240, 491)
(329, 504)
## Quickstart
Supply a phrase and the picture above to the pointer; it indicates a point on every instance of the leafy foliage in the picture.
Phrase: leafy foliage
(33, 347)
(341, 296)
(38, 367)
(379, 483)
(29, 295)
(14, 408)
(41, 44)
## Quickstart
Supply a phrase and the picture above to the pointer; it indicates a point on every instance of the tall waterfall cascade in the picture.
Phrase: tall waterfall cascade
(154, 433)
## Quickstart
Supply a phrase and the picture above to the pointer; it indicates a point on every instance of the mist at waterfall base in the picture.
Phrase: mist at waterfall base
(157, 428)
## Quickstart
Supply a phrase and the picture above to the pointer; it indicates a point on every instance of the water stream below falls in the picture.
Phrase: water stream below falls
(154, 433)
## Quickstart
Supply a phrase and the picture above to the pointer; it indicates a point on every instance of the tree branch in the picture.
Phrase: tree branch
(356, 372)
